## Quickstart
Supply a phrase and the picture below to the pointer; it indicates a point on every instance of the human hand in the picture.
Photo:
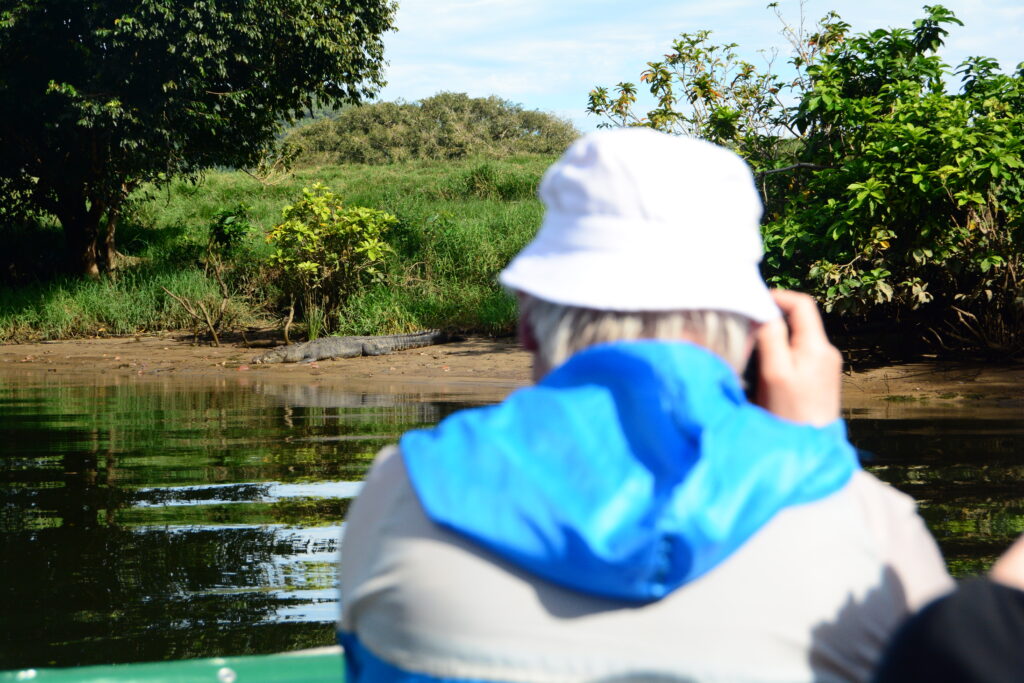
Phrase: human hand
(1009, 568)
(800, 370)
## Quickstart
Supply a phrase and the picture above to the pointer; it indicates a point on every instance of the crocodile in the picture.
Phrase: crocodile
(350, 347)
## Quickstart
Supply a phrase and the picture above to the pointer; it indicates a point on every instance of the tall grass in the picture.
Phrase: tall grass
(459, 224)
(127, 304)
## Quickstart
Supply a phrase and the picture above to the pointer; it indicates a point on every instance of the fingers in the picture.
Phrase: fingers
(801, 314)
(773, 345)
(799, 368)
(1009, 568)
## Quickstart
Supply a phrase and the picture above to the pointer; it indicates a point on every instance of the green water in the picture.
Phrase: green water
(148, 521)
(167, 520)
(966, 473)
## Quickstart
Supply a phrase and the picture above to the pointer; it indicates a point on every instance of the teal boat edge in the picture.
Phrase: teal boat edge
(320, 664)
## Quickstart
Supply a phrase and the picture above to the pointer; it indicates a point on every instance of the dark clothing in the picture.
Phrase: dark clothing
(975, 634)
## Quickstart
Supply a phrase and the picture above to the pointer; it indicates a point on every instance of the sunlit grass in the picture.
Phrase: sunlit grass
(459, 223)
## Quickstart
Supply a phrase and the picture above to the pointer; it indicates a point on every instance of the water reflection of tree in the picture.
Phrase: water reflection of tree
(114, 547)
(84, 584)
(965, 475)
(90, 591)
(109, 594)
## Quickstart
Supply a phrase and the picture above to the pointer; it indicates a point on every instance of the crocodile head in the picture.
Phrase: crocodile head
(273, 356)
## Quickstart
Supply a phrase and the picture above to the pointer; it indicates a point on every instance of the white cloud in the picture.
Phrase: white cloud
(548, 55)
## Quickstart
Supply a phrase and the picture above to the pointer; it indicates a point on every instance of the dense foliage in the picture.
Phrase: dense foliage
(890, 191)
(101, 97)
(324, 252)
(445, 126)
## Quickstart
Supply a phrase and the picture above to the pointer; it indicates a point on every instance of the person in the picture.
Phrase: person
(632, 515)
(973, 635)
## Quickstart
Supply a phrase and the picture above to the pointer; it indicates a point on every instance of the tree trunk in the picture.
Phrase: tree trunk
(82, 236)
(106, 252)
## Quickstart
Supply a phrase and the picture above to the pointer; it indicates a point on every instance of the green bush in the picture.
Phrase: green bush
(445, 126)
(890, 194)
(916, 194)
(229, 228)
(325, 252)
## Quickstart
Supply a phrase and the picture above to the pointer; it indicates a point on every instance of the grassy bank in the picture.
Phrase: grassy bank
(458, 224)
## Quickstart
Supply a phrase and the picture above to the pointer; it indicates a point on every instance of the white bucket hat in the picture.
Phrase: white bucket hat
(638, 220)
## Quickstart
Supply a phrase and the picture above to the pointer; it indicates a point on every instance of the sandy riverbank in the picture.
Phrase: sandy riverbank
(488, 368)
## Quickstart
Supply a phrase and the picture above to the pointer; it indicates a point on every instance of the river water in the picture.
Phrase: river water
(151, 520)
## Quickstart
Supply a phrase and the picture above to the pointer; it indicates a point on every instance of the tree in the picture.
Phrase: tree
(889, 192)
(914, 201)
(101, 96)
(704, 90)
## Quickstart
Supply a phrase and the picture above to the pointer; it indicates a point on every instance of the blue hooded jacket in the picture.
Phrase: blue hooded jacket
(630, 470)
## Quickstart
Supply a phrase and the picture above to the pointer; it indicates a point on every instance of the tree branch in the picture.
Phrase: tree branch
(800, 164)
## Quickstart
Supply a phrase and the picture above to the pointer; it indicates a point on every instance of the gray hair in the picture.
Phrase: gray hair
(560, 331)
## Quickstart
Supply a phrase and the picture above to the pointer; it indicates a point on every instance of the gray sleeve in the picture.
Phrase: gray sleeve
(907, 546)
(365, 523)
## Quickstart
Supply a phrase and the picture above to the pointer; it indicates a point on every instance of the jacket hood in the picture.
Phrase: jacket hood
(630, 470)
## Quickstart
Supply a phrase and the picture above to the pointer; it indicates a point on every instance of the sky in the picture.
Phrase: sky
(549, 54)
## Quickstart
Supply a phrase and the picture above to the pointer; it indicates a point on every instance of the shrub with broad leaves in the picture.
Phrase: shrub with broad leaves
(326, 251)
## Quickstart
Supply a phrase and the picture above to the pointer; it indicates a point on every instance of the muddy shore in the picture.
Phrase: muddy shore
(479, 367)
